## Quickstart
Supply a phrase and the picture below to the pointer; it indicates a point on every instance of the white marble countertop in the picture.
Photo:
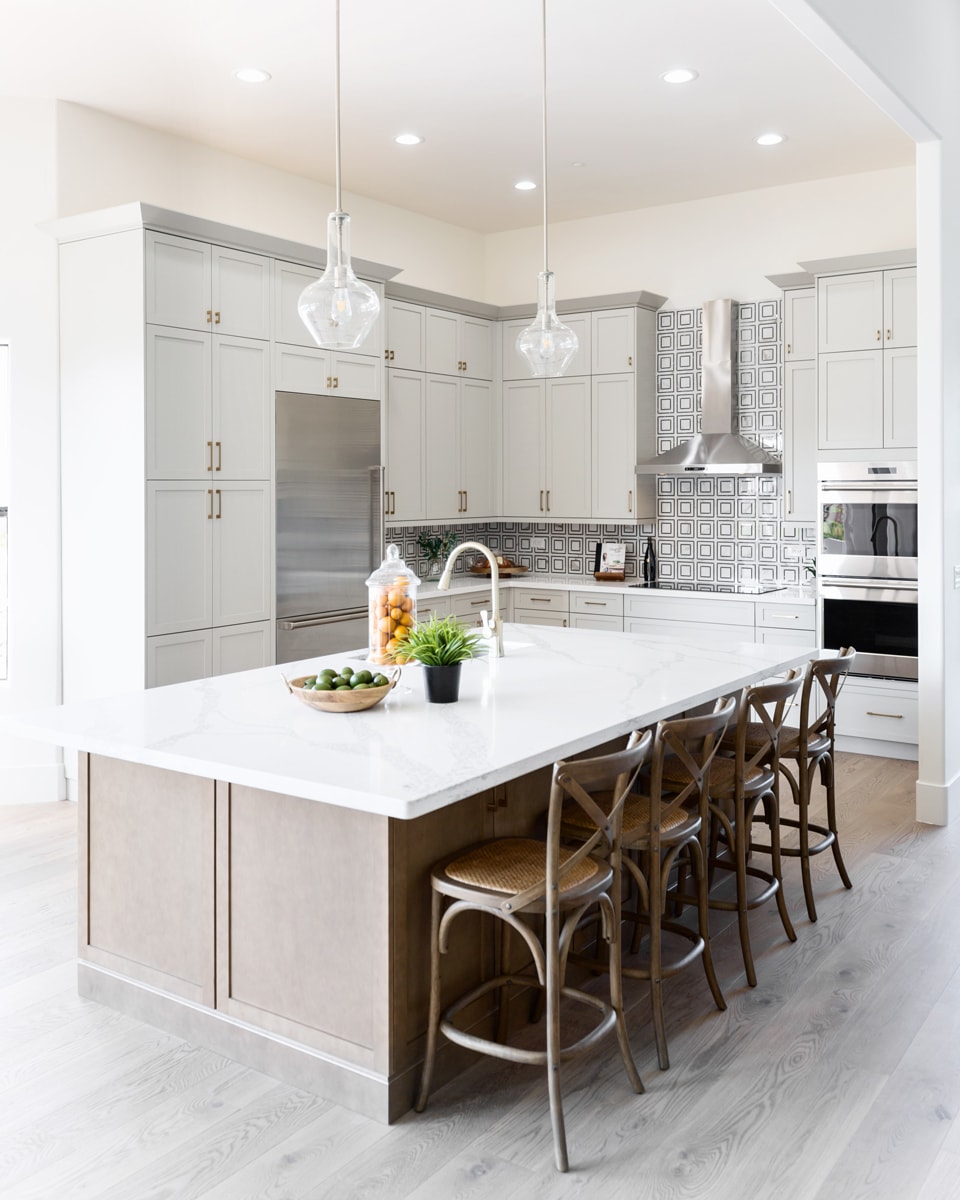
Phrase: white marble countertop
(582, 583)
(556, 692)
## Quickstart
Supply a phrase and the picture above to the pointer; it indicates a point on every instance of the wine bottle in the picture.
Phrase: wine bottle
(650, 564)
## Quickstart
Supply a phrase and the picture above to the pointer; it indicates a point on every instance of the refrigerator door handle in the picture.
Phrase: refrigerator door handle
(322, 619)
(378, 524)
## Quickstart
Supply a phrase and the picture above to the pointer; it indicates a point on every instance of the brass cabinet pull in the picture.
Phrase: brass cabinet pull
(789, 348)
(219, 504)
(210, 513)
(336, 381)
(789, 500)
(630, 501)
(596, 603)
(785, 616)
(393, 504)
(892, 716)
(548, 499)
(878, 335)
(541, 499)
(888, 335)
(209, 315)
(629, 360)
(210, 457)
(219, 457)
(329, 377)
(564, 622)
(392, 356)
(479, 603)
(386, 355)
(216, 317)
(466, 504)
(464, 364)
(386, 504)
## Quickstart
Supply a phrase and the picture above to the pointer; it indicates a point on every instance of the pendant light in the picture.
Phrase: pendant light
(547, 344)
(338, 308)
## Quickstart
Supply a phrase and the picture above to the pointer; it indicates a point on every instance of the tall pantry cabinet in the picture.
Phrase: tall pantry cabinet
(167, 453)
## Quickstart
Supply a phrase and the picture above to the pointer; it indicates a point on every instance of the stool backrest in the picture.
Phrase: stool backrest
(693, 741)
(821, 686)
(755, 714)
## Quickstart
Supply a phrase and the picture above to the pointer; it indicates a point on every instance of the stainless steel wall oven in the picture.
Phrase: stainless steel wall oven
(867, 563)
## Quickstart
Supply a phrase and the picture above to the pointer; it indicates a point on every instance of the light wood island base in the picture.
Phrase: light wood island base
(287, 934)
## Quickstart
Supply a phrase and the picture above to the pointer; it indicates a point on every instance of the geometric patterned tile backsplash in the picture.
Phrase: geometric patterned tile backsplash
(709, 529)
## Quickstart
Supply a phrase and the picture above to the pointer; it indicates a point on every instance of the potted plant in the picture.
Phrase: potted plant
(436, 547)
(441, 645)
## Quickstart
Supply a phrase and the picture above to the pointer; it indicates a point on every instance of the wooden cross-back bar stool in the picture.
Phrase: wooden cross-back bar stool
(510, 878)
(660, 823)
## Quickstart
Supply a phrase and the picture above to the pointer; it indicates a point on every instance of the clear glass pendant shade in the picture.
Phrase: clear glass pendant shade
(547, 344)
(338, 309)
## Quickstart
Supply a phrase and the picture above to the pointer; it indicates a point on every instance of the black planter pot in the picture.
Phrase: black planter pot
(442, 684)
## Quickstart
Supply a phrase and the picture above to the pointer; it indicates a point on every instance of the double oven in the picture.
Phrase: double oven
(867, 564)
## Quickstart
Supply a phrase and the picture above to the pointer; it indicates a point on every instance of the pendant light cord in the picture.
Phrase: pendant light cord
(336, 107)
(544, 108)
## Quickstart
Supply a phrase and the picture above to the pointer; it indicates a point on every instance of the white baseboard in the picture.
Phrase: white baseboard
(38, 783)
(880, 749)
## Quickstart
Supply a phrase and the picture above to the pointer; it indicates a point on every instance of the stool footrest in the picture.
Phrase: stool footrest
(827, 838)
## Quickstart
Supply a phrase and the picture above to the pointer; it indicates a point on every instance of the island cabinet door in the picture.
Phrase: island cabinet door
(303, 922)
(146, 882)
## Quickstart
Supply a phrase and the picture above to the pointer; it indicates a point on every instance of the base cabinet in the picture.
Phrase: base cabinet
(179, 657)
(878, 716)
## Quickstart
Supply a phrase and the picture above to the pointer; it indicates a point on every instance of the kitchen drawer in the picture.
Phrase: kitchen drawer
(607, 603)
(877, 711)
(786, 616)
(468, 607)
(707, 632)
(787, 637)
(545, 600)
(529, 616)
(580, 620)
(440, 605)
(710, 612)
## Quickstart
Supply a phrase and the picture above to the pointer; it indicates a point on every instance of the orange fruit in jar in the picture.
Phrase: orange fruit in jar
(385, 624)
(395, 598)
(396, 614)
(400, 633)
(407, 603)
(401, 583)
(406, 620)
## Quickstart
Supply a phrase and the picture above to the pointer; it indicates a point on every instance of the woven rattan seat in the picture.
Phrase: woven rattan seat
(803, 751)
(722, 774)
(659, 827)
(517, 879)
(511, 865)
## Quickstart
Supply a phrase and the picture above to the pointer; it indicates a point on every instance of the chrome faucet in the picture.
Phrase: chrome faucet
(494, 627)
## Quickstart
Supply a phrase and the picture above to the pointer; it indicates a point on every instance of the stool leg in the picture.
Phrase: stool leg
(832, 820)
(433, 1021)
(703, 921)
(656, 961)
(553, 1035)
(773, 820)
(616, 982)
(741, 839)
(804, 784)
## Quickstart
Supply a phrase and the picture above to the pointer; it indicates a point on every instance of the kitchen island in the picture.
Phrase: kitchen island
(254, 873)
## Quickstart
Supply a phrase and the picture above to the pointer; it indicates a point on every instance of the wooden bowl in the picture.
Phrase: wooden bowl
(345, 700)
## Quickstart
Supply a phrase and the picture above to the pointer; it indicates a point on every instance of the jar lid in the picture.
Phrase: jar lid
(393, 571)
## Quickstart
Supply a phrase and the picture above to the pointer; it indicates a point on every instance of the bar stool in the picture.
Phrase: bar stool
(658, 827)
(811, 746)
(510, 877)
(737, 787)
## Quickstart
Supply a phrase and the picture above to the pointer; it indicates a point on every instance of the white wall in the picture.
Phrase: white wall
(722, 246)
(104, 161)
(28, 321)
(903, 53)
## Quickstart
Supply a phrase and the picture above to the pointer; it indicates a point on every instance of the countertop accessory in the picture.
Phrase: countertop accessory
(505, 567)
(650, 563)
(547, 344)
(392, 607)
(436, 547)
(441, 645)
(338, 309)
(610, 561)
(343, 701)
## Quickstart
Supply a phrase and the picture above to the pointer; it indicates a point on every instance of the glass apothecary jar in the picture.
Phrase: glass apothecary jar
(392, 592)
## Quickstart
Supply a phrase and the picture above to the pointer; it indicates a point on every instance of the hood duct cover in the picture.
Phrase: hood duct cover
(717, 449)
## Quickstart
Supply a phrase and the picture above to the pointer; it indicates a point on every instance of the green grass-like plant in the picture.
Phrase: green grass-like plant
(441, 642)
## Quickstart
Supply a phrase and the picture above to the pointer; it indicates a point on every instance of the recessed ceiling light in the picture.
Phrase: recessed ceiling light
(252, 75)
(408, 139)
(525, 185)
(770, 139)
(679, 75)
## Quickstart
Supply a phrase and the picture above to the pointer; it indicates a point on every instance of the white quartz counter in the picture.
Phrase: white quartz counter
(583, 583)
(557, 692)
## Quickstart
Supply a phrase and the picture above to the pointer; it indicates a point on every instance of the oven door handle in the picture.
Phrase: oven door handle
(827, 487)
(852, 588)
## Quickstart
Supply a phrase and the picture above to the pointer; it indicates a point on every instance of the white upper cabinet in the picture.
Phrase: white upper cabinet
(800, 324)
(900, 307)
(515, 366)
(192, 285)
(404, 454)
(900, 397)
(207, 406)
(800, 440)
(614, 341)
(457, 344)
(614, 452)
(327, 372)
(289, 281)
(406, 336)
(459, 431)
(851, 400)
(546, 448)
(850, 312)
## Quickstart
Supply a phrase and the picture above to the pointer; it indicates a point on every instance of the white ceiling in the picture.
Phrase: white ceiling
(466, 75)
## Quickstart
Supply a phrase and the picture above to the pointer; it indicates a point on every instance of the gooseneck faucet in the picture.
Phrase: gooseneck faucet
(494, 626)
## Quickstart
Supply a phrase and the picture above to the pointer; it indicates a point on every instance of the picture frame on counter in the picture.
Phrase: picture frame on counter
(610, 561)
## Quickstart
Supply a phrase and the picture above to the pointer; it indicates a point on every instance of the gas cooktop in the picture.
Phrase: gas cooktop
(741, 589)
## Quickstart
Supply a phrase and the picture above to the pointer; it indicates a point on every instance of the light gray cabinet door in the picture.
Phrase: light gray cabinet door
(179, 434)
(900, 397)
(180, 521)
(800, 440)
(799, 324)
(851, 400)
(240, 293)
(240, 562)
(405, 336)
(242, 409)
(900, 307)
(523, 466)
(613, 341)
(850, 312)
(177, 273)
(567, 447)
(404, 446)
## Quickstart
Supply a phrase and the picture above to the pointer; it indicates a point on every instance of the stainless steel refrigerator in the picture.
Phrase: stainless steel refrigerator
(329, 521)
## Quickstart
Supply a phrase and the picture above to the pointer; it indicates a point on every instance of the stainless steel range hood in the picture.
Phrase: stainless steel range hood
(717, 449)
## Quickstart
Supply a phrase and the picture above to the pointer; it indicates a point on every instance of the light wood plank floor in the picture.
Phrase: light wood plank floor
(837, 1078)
